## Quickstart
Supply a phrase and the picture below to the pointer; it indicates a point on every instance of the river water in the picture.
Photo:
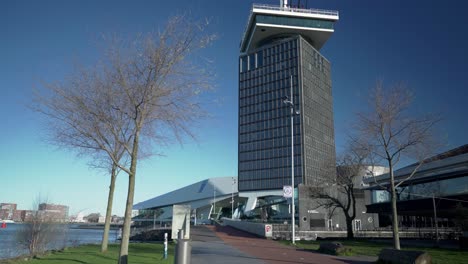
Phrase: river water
(73, 236)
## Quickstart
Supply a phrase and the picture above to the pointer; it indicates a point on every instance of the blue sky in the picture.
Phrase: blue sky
(423, 43)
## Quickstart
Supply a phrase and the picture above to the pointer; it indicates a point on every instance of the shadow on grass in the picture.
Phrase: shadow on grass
(146, 248)
(62, 260)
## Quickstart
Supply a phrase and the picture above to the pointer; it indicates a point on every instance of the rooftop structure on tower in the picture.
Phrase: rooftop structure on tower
(268, 23)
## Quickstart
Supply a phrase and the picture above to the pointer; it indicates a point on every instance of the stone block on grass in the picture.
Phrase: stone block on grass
(333, 248)
(394, 256)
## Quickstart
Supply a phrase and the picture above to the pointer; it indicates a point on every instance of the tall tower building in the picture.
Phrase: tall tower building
(281, 43)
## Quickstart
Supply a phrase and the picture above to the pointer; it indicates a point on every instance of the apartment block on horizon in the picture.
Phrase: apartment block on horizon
(57, 212)
(7, 211)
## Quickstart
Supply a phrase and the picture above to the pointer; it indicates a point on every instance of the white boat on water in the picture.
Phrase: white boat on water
(7, 221)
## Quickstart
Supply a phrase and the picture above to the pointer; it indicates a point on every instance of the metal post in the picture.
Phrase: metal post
(195, 218)
(435, 221)
(232, 198)
(183, 250)
(165, 245)
(292, 163)
(214, 202)
(290, 103)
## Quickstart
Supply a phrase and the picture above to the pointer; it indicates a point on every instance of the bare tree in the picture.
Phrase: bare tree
(79, 119)
(340, 192)
(106, 163)
(41, 229)
(158, 86)
(391, 132)
(110, 201)
(145, 92)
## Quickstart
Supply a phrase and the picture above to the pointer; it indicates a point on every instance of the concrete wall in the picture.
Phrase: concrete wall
(250, 227)
(181, 220)
(311, 217)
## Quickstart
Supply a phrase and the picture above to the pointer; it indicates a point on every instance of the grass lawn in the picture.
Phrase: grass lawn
(366, 248)
(138, 253)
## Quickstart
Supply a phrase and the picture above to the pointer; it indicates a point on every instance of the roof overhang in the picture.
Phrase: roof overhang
(435, 170)
(446, 206)
(314, 25)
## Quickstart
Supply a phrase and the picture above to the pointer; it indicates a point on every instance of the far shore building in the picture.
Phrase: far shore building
(7, 211)
(57, 212)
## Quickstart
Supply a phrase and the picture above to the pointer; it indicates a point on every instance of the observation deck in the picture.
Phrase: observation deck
(267, 23)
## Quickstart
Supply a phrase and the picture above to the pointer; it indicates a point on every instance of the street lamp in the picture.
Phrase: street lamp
(232, 197)
(290, 102)
(214, 202)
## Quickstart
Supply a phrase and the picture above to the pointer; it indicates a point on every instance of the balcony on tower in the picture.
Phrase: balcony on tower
(269, 23)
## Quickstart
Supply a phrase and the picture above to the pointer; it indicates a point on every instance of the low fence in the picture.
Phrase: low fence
(138, 230)
(282, 231)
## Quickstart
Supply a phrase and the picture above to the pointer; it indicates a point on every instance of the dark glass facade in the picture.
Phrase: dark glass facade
(414, 191)
(294, 21)
(264, 120)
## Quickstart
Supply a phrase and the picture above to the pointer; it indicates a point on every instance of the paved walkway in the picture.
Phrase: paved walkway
(209, 248)
(222, 244)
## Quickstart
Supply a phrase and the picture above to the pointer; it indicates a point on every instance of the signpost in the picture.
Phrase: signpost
(287, 191)
(165, 245)
(268, 230)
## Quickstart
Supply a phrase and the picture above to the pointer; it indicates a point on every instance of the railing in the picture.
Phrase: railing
(298, 10)
(289, 9)
(138, 230)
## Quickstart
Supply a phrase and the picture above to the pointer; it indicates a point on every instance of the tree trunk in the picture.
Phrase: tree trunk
(123, 255)
(110, 198)
(349, 227)
(396, 235)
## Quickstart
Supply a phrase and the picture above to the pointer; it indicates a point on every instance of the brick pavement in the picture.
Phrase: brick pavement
(271, 251)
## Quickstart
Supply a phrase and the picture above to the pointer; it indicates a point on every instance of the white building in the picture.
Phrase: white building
(209, 199)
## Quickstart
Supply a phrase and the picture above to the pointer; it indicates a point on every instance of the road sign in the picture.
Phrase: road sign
(268, 230)
(287, 191)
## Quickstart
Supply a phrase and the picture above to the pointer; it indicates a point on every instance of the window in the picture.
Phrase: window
(251, 62)
(243, 64)
(260, 59)
(357, 225)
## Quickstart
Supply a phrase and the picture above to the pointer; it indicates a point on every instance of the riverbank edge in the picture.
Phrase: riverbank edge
(75, 253)
(27, 257)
